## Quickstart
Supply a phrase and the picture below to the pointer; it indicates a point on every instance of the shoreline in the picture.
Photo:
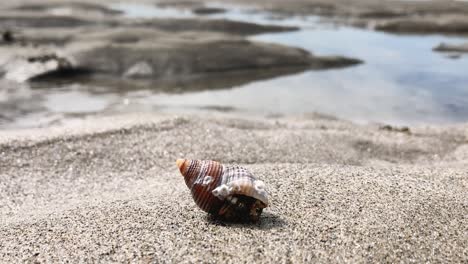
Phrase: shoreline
(92, 53)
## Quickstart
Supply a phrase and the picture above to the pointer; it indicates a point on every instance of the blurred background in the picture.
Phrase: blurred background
(392, 62)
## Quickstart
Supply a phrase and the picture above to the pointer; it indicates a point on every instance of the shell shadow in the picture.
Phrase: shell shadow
(266, 221)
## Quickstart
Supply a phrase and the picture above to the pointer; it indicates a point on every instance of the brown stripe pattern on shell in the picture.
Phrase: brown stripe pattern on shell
(212, 184)
(202, 177)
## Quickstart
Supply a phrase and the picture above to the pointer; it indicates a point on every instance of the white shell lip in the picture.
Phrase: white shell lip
(256, 190)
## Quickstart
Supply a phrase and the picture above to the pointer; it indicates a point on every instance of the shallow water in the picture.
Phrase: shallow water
(402, 80)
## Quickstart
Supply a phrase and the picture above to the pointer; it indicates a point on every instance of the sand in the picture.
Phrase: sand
(108, 190)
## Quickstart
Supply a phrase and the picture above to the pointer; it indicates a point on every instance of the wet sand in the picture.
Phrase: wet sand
(108, 190)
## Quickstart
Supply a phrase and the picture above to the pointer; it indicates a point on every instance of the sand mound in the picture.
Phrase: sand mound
(110, 191)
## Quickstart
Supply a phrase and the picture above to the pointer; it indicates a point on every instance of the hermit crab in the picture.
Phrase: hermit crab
(228, 192)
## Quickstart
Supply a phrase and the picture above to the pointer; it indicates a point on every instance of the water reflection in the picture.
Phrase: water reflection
(368, 99)
(402, 81)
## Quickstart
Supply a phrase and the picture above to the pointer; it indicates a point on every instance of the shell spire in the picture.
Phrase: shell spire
(183, 166)
(231, 192)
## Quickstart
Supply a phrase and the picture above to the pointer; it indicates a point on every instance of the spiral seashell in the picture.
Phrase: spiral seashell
(230, 192)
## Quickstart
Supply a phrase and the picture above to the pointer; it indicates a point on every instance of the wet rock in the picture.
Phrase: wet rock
(177, 51)
(208, 10)
(49, 57)
(22, 69)
(47, 37)
(171, 25)
(8, 37)
(186, 60)
(188, 57)
(219, 108)
(445, 47)
(457, 25)
(328, 62)
(302, 8)
(403, 129)
(139, 70)
(382, 14)
(67, 8)
(213, 25)
(59, 30)
(412, 17)
(185, 83)
(40, 21)
(179, 4)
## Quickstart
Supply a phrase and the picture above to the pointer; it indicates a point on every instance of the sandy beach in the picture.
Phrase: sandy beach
(86, 177)
(340, 192)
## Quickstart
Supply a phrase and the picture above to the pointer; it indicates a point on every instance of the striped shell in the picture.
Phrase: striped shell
(228, 191)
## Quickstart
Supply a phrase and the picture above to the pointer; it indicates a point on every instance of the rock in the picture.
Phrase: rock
(41, 21)
(403, 129)
(185, 61)
(447, 17)
(426, 26)
(187, 57)
(67, 8)
(139, 70)
(24, 69)
(381, 14)
(329, 62)
(61, 19)
(445, 47)
(187, 83)
(7, 36)
(208, 10)
(171, 25)
(179, 57)
(212, 25)
(179, 4)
